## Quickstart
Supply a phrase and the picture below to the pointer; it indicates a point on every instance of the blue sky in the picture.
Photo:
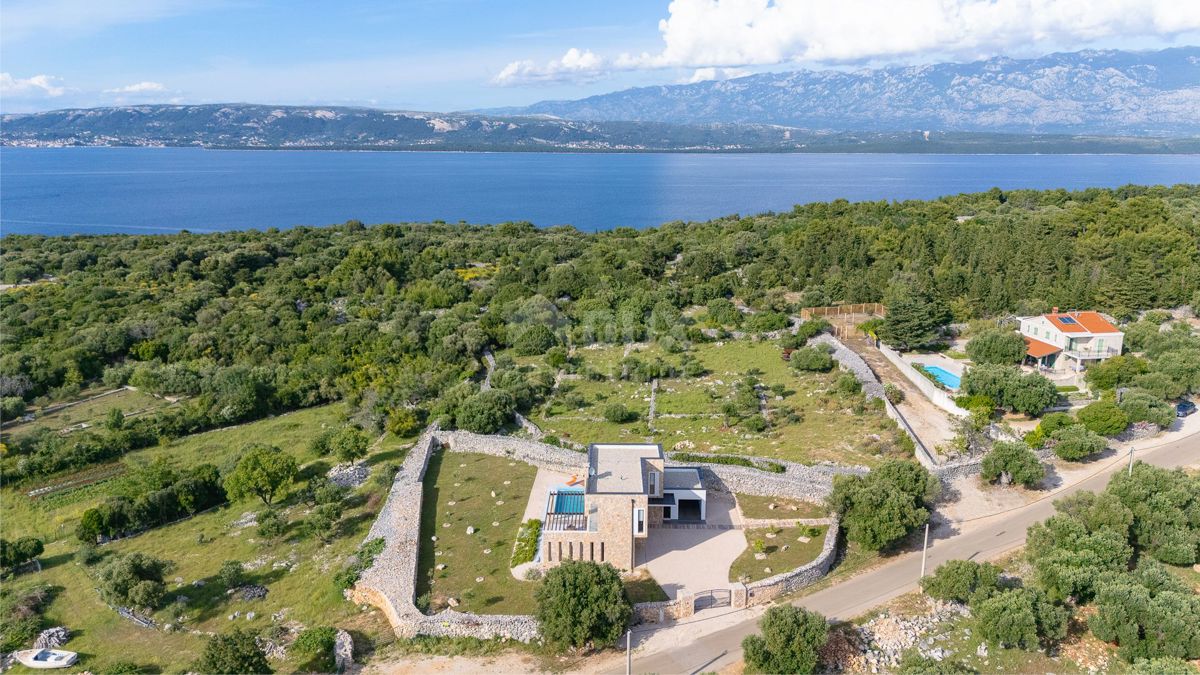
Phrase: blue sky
(463, 54)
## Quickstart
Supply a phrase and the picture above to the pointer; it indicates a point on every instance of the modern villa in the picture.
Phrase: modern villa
(628, 489)
(1069, 341)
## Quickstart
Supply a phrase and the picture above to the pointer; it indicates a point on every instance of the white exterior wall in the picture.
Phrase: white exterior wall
(702, 495)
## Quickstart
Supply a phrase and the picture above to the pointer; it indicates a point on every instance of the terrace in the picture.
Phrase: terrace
(565, 512)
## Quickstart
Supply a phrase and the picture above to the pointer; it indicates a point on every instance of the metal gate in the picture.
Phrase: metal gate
(713, 598)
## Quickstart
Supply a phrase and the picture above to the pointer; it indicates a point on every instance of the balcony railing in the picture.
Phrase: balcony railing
(1101, 353)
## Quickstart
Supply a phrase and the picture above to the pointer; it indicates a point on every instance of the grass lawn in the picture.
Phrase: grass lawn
(93, 412)
(458, 489)
(830, 427)
(641, 587)
(54, 517)
(778, 560)
(296, 569)
(755, 506)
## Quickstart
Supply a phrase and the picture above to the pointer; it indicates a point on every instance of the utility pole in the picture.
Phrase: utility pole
(1130, 459)
(924, 550)
(628, 653)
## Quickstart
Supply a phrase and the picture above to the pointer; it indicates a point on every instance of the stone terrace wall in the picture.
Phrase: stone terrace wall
(799, 480)
(766, 590)
(541, 455)
(390, 583)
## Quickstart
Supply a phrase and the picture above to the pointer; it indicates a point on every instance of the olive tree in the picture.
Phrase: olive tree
(1012, 462)
(581, 603)
(264, 471)
(789, 641)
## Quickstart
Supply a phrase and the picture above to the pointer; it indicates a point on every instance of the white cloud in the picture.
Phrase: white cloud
(30, 87)
(707, 74)
(711, 34)
(138, 88)
(575, 65)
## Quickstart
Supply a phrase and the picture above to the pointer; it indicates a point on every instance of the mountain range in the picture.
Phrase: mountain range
(1106, 92)
(1091, 101)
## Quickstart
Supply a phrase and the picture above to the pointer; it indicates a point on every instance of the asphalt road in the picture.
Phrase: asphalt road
(981, 539)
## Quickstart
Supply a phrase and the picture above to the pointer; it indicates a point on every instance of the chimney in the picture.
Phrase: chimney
(1055, 311)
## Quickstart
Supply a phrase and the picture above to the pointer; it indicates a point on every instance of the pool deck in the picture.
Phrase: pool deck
(946, 363)
(543, 484)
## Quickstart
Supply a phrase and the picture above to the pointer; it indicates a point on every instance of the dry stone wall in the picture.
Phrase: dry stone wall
(766, 590)
(390, 582)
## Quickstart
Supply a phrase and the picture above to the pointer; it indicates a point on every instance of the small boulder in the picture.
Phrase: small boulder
(453, 602)
(470, 529)
(250, 616)
(479, 580)
(440, 566)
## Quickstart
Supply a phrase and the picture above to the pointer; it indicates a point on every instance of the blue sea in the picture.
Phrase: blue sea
(148, 190)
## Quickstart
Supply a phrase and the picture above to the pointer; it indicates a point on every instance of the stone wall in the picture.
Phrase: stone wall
(766, 590)
(541, 455)
(661, 612)
(390, 582)
(854, 363)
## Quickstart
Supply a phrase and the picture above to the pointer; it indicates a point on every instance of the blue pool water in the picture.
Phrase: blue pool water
(569, 502)
(947, 378)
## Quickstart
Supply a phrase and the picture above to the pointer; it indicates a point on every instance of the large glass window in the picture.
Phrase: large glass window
(639, 521)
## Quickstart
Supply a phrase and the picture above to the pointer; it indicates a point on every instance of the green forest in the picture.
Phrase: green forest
(394, 319)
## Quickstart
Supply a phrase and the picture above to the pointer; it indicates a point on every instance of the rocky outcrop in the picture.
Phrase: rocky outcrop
(52, 638)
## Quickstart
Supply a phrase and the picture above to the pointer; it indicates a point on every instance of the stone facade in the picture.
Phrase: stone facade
(666, 610)
(612, 541)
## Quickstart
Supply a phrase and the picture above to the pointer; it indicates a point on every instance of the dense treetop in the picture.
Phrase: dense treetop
(392, 317)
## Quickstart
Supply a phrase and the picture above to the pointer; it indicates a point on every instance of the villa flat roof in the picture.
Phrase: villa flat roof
(618, 467)
(681, 478)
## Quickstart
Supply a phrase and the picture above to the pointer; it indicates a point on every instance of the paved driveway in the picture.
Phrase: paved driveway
(695, 560)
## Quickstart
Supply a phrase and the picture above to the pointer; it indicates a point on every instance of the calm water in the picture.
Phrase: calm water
(95, 190)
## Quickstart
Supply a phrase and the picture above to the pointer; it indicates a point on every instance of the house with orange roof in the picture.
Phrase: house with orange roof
(1069, 341)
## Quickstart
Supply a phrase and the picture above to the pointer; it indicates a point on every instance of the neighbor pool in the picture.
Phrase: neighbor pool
(947, 378)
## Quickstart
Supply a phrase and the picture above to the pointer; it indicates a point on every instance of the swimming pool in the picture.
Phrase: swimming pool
(947, 378)
(568, 501)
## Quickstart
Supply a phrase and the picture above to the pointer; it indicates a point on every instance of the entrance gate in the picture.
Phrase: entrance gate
(713, 598)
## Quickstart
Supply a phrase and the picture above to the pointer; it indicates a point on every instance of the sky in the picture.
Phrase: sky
(447, 55)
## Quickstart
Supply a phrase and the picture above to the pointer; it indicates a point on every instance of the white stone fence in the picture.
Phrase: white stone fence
(935, 394)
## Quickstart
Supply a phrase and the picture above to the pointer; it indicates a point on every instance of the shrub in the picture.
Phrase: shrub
(1014, 461)
(880, 508)
(1104, 418)
(1114, 372)
(88, 554)
(1149, 614)
(732, 460)
(13, 554)
(11, 407)
(231, 574)
(847, 385)
(960, 580)
(233, 652)
(790, 639)
(270, 524)
(1028, 394)
(134, 580)
(581, 603)
(997, 346)
(1050, 423)
(263, 471)
(485, 412)
(534, 340)
(812, 328)
(912, 663)
(362, 560)
(617, 413)
(1076, 442)
(1142, 406)
(525, 548)
(317, 644)
(812, 359)
(349, 443)
(1019, 618)
(754, 423)
(893, 393)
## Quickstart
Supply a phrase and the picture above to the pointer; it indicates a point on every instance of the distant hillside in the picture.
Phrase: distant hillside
(1089, 92)
(333, 128)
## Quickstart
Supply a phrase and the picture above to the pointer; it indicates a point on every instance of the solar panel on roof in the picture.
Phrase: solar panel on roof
(1066, 319)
